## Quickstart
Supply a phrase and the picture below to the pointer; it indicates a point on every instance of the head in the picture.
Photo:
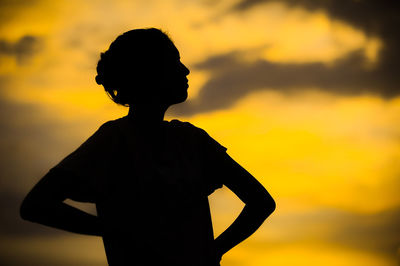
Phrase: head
(143, 66)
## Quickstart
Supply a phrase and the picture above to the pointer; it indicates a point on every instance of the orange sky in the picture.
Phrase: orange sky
(322, 140)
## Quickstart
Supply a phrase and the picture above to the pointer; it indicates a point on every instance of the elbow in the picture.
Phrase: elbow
(29, 210)
(26, 210)
(34, 208)
(268, 205)
(271, 206)
(265, 206)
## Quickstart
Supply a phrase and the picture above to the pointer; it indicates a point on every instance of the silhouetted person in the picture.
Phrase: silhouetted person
(149, 178)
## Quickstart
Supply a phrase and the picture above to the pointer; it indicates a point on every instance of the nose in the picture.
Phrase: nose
(185, 69)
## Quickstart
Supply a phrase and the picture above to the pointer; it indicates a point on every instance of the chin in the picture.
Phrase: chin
(183, 99)
(180, 98)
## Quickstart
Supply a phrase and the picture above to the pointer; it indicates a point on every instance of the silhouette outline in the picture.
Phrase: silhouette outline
(149, 178)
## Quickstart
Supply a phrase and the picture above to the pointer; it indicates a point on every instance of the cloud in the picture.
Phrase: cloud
(62, 249)
(376, 18)
(233, 78)
(372, 16)
(378, 232)
(31, 143)
(10, 8)
(22, 49)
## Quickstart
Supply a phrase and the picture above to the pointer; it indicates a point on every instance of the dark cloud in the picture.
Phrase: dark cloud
(34, 137)
(40, 260)
(12, 9)
(378, 232)
(232, 78)
(372, 16)
(22, 49)
(30, 145)
(24, 132)
(374, 232)
(376, 18)
(31, 142)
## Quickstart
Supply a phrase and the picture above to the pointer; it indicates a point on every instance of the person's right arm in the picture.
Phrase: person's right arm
(258, 205)
(73, 178)
(45, 205)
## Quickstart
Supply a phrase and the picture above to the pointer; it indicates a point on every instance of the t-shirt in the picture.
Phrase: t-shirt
(150, 189)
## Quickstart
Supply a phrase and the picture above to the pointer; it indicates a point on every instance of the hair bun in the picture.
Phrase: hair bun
(99, 80)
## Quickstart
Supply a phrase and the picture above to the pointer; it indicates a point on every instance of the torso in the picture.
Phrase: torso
(154, 210)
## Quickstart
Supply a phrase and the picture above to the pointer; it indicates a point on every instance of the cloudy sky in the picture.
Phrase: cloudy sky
(304, 94)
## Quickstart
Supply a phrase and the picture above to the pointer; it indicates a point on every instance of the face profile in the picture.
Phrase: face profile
(173, 80)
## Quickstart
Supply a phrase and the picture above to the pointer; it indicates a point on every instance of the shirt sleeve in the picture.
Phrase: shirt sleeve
(212, 154)
(86, 168)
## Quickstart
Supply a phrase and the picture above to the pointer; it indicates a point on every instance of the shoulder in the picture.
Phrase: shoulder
(105, 134)
(112, 127)
(197, 134)
(190, 130)
(111, 124)
(184, 125)
(179, 123)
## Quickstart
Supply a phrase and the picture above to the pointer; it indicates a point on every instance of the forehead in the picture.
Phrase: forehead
(171, 50)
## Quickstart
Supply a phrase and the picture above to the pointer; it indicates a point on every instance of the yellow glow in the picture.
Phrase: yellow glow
(320, 151)
(304, 254)
(196, 80)
(313, 151)
(279, 34)
(8, 65)
(39, 19)
(315, 37)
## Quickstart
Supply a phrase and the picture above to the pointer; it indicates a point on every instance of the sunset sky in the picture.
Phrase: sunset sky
(304, 94)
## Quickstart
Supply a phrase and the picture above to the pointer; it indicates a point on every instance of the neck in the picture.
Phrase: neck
(147, 114)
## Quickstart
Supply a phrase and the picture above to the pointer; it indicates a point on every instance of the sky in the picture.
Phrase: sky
(304, 94)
